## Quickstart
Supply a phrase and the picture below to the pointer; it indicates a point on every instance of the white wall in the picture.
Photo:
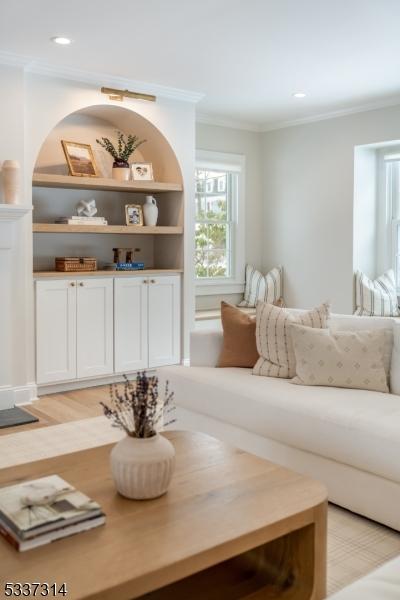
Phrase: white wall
(247, 143)
(308, 180)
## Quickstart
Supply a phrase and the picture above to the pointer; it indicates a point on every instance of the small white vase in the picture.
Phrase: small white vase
(150, 211)
(121, 173)
(142, 467)
(10, 175)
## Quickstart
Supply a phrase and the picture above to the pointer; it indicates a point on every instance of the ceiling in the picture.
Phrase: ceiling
(248, 57)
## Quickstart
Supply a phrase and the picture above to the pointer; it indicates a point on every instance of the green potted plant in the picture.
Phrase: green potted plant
(121, 153)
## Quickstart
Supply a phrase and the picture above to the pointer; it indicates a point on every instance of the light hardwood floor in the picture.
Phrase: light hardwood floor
(62, 408)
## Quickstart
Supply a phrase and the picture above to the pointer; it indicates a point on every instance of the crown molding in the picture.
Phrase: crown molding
(393, 101)
(209, 119)
(39, 67)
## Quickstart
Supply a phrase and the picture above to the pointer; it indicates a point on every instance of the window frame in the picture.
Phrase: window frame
(389, 186)
(207, 159)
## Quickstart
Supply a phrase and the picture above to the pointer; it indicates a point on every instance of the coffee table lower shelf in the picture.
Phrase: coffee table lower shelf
(280, 569)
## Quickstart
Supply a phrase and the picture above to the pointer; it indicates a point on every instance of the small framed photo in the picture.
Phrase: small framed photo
(134, 214)
(142, 171)
(80, 159)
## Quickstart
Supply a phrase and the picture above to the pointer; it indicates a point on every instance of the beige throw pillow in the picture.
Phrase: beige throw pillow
(348, 359)
(274, 343)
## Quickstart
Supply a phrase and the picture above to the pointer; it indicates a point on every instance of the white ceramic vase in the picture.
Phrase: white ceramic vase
(142, 467)
(10, 175)
(150, 211)
(121, 173)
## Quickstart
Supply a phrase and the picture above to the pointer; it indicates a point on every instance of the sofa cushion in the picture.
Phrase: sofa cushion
(355, 427)
(381, 584)
(355, 323)
(376, 297)
(263, 288)
(239, 346)
(274, 343)
(347, 359)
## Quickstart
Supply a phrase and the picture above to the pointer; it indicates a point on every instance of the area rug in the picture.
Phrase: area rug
(356, 545)
(10, 417)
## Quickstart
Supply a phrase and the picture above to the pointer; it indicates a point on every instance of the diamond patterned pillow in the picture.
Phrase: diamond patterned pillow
(348, 359)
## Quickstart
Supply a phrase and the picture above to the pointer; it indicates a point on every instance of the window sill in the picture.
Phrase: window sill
(218, 288)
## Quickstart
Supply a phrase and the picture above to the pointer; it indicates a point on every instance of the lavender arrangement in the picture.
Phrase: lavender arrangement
(135, 406)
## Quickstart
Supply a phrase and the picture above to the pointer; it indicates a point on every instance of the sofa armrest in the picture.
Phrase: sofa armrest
(205, 348)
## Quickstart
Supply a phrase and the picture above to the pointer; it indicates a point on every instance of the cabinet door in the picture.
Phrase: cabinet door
(94, 327)
(130, 324)
(55, 330)
(164, 321)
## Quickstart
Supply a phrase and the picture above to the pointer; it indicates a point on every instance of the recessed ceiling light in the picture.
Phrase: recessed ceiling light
(63, 41)
(299, 95)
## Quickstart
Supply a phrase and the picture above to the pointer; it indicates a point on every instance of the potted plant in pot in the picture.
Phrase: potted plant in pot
(125, 148)
(143, 462)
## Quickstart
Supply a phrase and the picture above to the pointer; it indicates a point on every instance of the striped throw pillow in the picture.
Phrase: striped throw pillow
(376, 298)
(274, 340)
(262, 288)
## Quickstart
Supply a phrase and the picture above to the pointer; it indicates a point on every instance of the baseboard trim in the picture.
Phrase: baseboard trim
(18, 395)
(79, 384)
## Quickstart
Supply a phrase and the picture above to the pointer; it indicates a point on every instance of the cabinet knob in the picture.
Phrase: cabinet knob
(152, 280)
(72, 284)
(81, 283)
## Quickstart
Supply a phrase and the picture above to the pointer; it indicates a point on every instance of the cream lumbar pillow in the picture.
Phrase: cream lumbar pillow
(274, 343)
(376, 298)
(346, 359)
(262, 288)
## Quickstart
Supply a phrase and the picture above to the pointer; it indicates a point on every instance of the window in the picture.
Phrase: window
(219, 222)
(392, 210)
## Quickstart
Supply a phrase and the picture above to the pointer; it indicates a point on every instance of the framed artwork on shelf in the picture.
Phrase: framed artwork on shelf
(142, 171)
(133, 214)
(80, 159)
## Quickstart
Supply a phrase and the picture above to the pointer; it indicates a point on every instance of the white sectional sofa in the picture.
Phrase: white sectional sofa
(382, 584)
(349, 439)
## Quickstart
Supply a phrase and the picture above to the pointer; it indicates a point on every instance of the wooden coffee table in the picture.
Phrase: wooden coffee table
(231, 526)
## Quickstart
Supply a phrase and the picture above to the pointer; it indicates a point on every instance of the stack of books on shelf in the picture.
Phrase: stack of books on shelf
(77, 220)
(43, 510)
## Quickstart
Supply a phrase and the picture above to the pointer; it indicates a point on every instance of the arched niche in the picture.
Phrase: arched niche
(88, 124)
(85, 126)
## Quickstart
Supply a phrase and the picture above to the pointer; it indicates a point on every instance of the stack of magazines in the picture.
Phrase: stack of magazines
(43, 510)
(77, 220)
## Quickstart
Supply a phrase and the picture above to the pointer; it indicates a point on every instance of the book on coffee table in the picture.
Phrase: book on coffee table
(40, 511)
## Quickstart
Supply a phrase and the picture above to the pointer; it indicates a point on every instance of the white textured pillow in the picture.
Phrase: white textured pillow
(376, 298)
(346, 359)
(262, 288)
(274, 343)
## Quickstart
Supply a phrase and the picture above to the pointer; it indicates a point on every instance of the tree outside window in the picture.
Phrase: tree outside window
(216, 191)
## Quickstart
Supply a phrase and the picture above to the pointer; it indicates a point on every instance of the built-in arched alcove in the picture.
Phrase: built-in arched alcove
(56, 194)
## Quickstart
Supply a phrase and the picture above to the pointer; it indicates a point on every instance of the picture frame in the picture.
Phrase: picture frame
(134, 214)
(142, 171)
(80, 159)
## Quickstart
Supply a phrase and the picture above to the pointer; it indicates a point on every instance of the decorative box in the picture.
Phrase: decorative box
(71, 264)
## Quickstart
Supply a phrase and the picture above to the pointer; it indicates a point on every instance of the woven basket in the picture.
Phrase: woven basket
(71, 264)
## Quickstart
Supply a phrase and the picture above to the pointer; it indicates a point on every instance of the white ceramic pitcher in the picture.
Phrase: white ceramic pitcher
(150, 211)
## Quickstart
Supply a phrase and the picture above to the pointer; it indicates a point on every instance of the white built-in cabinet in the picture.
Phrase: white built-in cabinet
(92, 327)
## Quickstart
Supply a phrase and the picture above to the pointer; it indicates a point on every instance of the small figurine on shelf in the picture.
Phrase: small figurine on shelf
(125, 148)
(86, 208)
